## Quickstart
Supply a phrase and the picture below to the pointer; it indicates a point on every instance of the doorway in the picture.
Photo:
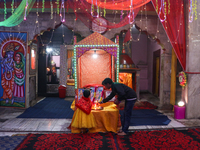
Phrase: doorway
(156, 72)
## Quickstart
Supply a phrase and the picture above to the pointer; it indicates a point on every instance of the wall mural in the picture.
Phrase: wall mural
(13, 46)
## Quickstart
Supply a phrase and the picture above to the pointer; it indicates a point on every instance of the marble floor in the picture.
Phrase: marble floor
(10, 125)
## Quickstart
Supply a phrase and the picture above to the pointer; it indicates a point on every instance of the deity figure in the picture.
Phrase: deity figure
(7, 80)
(19, 75)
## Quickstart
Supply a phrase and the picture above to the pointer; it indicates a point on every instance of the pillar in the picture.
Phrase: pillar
(192, 88)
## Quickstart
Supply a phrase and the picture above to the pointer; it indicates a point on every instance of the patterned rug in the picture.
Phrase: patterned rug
(10, 142)
(157, 139)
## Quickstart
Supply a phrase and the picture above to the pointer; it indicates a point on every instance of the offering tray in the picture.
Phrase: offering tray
(96, 106)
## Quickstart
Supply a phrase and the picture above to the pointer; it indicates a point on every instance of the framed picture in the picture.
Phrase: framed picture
(107, 93)
(99, 93)
(32, 57)
(13, 56)
(92, 89)
(80, 93)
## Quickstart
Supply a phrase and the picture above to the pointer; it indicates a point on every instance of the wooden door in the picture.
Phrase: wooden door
(156, 72)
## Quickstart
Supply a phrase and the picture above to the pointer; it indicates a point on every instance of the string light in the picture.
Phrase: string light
(145, 8)
(95, 47)
(62, 11)
(38, 27)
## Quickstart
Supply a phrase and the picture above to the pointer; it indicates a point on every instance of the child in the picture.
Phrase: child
(83, 118)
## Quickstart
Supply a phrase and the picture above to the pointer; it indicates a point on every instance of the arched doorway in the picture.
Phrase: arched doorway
(49, 58)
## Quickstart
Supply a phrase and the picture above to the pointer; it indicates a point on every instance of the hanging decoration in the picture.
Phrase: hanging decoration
(168, 9)
(5, 10)
(62, 11)
(162, 11)
(58, 6)
(104, 11)
(131, 14)
(182, 79)
(86, 17)
(25, 11)
(92, 10)
(51, 9)
(118, 4)
(12, 7)
(194, 5)
(43, 5)
(190, 12)
(156, 5)
(122, 13)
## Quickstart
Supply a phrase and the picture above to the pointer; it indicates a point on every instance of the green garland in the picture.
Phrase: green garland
(12, 6)
(18, 16)
(5, 10)
(43, 5)
(182, 79)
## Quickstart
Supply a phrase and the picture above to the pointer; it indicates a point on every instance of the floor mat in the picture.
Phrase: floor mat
(50, 107)
(147, 117)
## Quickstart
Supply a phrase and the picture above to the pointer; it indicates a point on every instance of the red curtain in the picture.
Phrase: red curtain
(171, 14)
(92, 70)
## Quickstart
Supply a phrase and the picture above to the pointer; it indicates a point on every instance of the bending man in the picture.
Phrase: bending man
(123, 92)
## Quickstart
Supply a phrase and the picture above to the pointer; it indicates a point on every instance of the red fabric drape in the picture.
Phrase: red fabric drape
(172, 18)
(118, 4)
(82, 11)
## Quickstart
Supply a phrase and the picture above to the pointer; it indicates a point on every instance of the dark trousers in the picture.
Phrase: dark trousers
(126, 117)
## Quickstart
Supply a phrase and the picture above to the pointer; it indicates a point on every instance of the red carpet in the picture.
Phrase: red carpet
(144, 105)
(163, 139)
(141, 105)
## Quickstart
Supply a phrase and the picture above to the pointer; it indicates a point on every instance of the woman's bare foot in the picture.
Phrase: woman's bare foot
(122, 133)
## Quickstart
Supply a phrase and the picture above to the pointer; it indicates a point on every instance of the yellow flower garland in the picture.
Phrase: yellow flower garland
(182, 79)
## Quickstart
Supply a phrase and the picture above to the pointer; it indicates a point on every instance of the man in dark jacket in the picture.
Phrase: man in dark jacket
(123, 92)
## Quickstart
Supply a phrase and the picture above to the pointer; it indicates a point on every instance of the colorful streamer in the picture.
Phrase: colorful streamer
(101, 98)
(5, 10)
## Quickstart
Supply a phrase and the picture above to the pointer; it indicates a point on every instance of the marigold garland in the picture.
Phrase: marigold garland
(182, 79)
